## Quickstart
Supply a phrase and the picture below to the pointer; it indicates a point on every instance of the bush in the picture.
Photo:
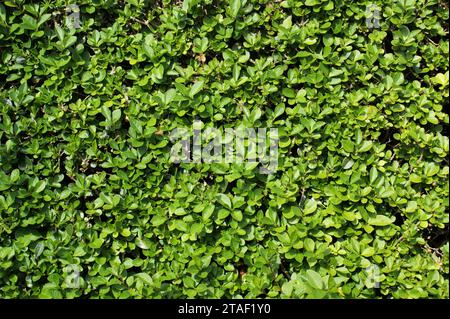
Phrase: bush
(92, 206)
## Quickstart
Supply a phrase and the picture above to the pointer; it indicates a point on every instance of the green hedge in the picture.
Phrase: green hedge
(91, 206)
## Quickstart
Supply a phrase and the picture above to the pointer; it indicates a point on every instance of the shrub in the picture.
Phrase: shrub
(92, 206)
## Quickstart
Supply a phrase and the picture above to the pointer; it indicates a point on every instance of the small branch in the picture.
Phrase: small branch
(140, 21)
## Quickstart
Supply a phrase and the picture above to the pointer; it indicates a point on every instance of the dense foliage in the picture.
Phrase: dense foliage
(91, 205)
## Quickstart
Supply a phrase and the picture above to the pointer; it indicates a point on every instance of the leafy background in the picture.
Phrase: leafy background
(86, 185)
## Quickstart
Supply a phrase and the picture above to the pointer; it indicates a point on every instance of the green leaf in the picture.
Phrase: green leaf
(200, 44)
(197, 87)
(15, 174)
(79, 252)
(365, 146)
(107, 199)
(235, 6)
(350, 216)
(143, 243)
(29, 23)
(380, 220)
(40, 186)
(38, 249)
(311, 2)
(431, 169)
(411, 207)
(237, 215)
(348, 163)
(2, 13)
(373, 174)
(187, 4)
(97, 243)
(224, 200)
(288, 92)
(279, 110)
(60, 32)
(238, 201)
(223, 213)
(314, 279)
(106, 113)
(287, 23)
(158, 220)
(179, 211)
(146, 278)
(310, 206)
(116, 114)
(309, 244)
(440, 78)
(287, 288)
(368, 252)
(125, 232)
(348, 146)
(208, 211)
